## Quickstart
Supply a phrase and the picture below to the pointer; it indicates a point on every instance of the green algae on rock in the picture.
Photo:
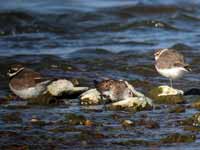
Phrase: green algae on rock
(148, 123)
(46, 99)
(177, 109)
(166, 95)
(178, 138)
(188, 121)
(74, 119)
(196, 104)
(192, 123)
(12, 117)
(136, 143)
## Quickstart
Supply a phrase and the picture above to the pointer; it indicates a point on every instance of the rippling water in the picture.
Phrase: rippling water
(92, 34)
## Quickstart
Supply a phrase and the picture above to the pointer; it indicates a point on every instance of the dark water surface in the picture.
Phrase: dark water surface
(97, 39)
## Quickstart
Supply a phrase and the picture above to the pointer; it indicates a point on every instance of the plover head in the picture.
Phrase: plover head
(158, 52)
(14, 69)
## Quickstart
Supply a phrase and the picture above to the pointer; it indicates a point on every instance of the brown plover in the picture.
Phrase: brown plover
(171, 64)
(113, 90)
(26, 83)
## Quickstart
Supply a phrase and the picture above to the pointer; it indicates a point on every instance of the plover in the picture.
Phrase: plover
(26, 83)
(113, 90)
(171, 64)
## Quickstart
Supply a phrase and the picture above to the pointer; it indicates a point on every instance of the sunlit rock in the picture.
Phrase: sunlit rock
(166, 95)
(58, 87)
(90, 97)
(132, 103)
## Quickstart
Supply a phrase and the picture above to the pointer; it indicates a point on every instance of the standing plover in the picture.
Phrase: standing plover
(26, 83)
(113, 90)
(170, 64)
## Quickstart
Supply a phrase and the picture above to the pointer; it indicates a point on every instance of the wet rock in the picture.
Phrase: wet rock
(74, 119)
(37, 122)
(166, 95)
(90, 97)
(177, 109)
(61, 86)
(192, 123)
(127, 123)
(136, 143)
(64, 128)
(133, 103)
(150, 124)
(17, 107)
(196, 119)
(88, 123)
(15, 147)
(196, 104)
(46, 99)
(90, 136)
(179, 138)
(12, 117)
(3, 101)
(6, 99)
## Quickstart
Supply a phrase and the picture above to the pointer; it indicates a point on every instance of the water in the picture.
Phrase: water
(98, 38)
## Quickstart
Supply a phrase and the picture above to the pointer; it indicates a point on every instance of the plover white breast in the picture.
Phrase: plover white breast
(171, 64)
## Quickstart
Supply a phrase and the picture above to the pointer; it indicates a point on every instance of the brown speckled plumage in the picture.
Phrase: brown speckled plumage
(117, 89)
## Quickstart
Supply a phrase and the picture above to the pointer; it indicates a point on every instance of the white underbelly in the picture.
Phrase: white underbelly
(29, 93)
(172, 73)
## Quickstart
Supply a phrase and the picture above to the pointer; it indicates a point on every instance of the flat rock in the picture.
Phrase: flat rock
(166, 95)
(60, 86)
(132, 103)
(90, 97)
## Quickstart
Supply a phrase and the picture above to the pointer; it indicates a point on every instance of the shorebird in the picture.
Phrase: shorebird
(171, 64)
(113, 90)
(26, 83)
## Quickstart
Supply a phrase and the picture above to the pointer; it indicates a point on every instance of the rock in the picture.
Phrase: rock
(179, 138)
(132, 103)
(12, 117)
(90, 97)
(46, 99)
(166, 95)
(148, 123)
(196, 104)
(192, 123)
(135, 142)
(74, 119)
(127, 123)
(37, 122)
(60, 86)
(177, 109)
(88, 123)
